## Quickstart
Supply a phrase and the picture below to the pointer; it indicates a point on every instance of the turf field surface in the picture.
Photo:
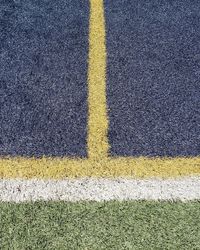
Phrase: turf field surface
(99, 101)
(100, 225)
(43, 78)
(99, 160)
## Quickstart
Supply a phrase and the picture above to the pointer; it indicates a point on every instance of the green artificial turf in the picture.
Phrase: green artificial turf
(104, 225)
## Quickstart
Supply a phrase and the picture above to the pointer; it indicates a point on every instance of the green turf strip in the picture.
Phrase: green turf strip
(104, 225)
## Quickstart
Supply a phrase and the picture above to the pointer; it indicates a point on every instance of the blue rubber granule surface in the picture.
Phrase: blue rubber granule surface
(153, 77)
(43, 77)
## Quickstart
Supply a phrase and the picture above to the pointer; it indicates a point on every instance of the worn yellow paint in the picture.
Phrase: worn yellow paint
(98, 164)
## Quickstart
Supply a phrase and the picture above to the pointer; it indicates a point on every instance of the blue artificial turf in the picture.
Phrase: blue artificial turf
(153, 77)
(43, 77)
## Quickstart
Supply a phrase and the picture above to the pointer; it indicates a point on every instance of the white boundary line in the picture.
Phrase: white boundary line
(91, 189)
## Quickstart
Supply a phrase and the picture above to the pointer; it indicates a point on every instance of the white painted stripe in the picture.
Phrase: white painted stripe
(16, 190)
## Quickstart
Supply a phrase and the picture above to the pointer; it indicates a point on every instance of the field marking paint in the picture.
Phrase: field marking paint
(57, 168)
(93, 189)
(98, 164)
(98, 120)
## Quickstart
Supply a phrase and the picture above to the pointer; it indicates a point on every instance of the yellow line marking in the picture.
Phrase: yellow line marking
(125, 167)
(98, 163)
(98, 121)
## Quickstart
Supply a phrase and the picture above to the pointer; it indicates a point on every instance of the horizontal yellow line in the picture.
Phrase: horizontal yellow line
(140, 167)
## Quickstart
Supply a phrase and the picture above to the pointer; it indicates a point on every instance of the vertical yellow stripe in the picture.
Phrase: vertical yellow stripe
(98, 121)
